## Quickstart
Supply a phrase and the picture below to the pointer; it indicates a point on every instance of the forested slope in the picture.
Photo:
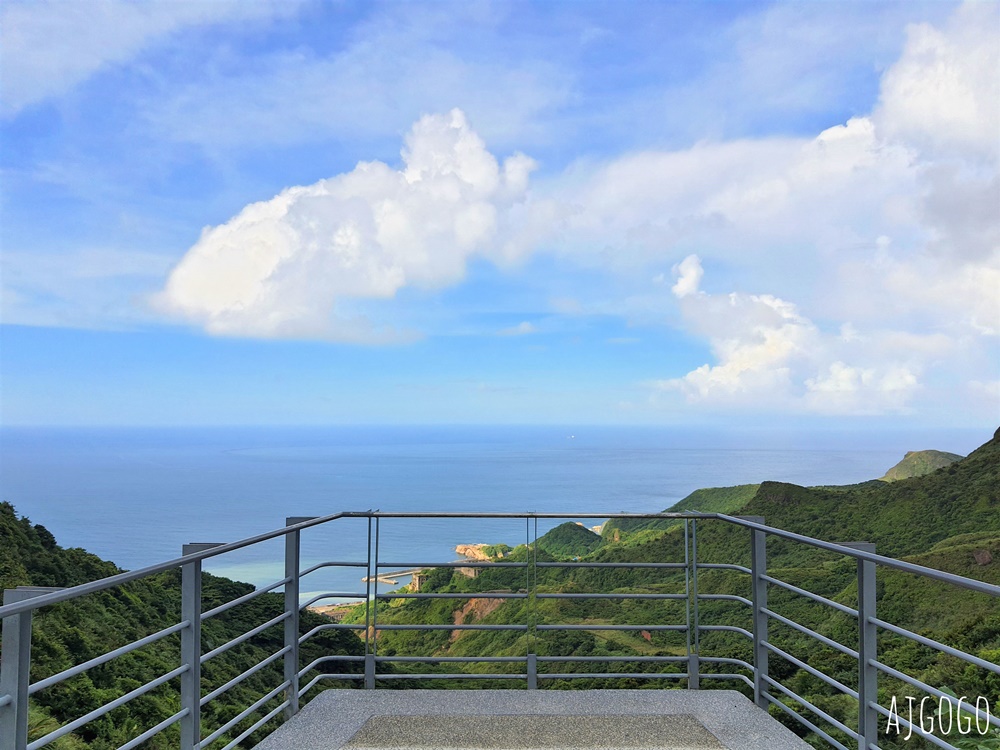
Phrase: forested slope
(73, 632)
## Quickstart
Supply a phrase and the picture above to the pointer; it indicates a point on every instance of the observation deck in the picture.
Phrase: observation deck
(691, 621)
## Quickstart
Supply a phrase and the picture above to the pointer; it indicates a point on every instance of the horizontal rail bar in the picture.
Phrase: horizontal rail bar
(106, 708)
(889, 562)
(5, 699)
(243, 675)
(810, 595)
(317, 678)
(134, 575)
(611, 596)
(242, 599)
(462, 595)
(671, 566)
(651, 659)
(451, 627)
(330, 657)
(920, 685)
(812, 634)
(128, 576)
(333, 595)
(726, 598)
(721, 676)
(678, 628)
(257, 725)
(451, 659)
(805, 722)
(724, 660)
(453, 676)
(332, 564)
(452, 564)
(242, 715)
(614, 675)
(725, 629)
(982, 663)
(523, 516)
(811, 670)
(331, 626)
(917, 729)
(818, 711)
(245, 637)
(153, 731)
(97, 660)
(724, 566)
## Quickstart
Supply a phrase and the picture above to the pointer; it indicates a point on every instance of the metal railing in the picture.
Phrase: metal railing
(689, 668)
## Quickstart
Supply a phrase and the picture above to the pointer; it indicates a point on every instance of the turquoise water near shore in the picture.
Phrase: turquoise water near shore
(135, 496)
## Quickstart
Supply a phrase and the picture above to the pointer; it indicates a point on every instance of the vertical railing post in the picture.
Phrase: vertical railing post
(292, 567)
(531, 587)
(15, 669)
(867, 651)
(758, 569)
(694, 642)
(370, 662)
(191, 646)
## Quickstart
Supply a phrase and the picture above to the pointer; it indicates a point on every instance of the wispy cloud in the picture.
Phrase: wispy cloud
(521, 329)
(51, 46)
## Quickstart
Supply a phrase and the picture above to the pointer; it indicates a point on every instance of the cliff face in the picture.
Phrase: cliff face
(473, 551)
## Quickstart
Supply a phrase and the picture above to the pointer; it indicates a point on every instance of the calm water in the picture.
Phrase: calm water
(135, 496)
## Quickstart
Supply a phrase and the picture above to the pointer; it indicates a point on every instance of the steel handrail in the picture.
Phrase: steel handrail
(867, 623)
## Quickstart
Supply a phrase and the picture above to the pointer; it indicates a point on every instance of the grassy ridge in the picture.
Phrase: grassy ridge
(918, 463)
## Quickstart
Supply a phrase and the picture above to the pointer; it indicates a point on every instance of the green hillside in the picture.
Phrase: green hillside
(708, 500)
(74, 632)
(918, 463)
(948, 519)
(569, 540)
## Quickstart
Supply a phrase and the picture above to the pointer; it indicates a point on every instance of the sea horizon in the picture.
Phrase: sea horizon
(134, 495)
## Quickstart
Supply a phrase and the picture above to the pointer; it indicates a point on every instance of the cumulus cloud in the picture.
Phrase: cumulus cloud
(770, 355)
(885, 229)
(942, 96)
(292, 265)
(50, 46)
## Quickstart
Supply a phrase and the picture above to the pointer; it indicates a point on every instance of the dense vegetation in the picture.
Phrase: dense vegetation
(74, 632)
(948, 519)
(569, 540)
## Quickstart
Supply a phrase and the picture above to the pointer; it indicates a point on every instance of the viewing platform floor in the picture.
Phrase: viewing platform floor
(536, 719)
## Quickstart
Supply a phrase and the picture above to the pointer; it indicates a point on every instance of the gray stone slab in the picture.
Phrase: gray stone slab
(533, 732)
(335, 717)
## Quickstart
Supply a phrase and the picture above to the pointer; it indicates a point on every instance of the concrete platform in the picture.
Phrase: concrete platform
(523, 719)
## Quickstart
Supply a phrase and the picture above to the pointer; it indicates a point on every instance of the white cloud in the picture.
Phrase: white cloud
(689, 273)
(856, 390)
(770, 356)
(292, 265)
(50, 46)
(943, 95)
(523, 328)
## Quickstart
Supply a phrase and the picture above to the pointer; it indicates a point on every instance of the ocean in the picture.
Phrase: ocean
(135, 495)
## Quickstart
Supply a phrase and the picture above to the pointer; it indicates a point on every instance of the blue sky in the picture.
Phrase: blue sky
(561, 212)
